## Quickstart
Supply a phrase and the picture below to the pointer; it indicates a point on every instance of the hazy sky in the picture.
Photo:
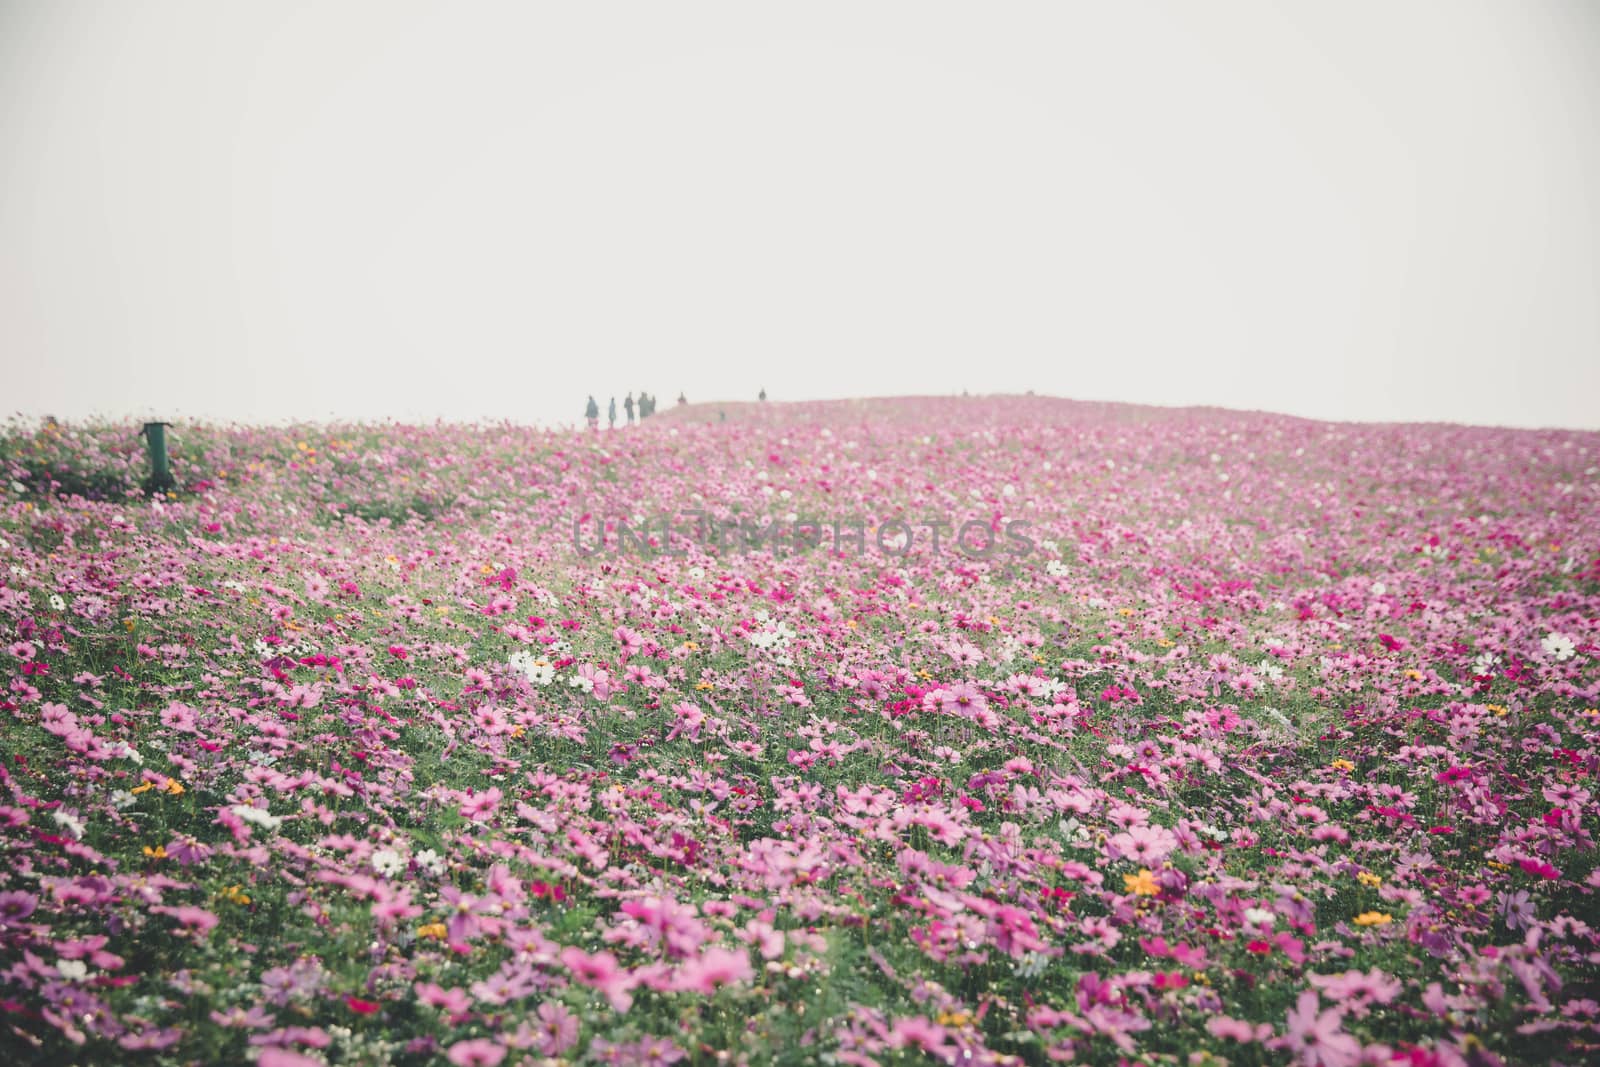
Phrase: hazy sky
(1365, 210)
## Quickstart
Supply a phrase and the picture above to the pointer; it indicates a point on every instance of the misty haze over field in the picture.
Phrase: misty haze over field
(258, 212)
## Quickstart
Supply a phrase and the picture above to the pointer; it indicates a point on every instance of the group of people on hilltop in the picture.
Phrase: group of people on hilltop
(646, 406)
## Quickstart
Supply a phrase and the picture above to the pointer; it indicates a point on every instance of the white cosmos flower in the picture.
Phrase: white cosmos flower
(1259, 917)
(1031, 965)
(1558, 647)
(259, 817)
(537, 671)
(388, 862)
(57, 603)
(430, 861)
(73, 970)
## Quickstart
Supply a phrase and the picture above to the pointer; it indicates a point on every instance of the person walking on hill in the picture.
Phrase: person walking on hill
(627, 408)
(591, 412)
(763, 396)
(682, 400)
(612, 414)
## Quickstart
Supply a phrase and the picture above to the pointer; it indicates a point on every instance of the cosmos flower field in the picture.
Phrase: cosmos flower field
(1214, 738)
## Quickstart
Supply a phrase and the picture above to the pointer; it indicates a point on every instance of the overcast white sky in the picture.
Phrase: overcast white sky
(1364, 210)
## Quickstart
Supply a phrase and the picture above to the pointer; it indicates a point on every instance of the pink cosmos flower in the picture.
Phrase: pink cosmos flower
(1237, 1029)
(601, 972)
(558, 1028)
(480, 806)
(1357, 991)
(920, 1033)
(197, 921)
(1317, 1037)
(476, 1052)
(689, 721)
(713, 968)
(1144, 845)
(282, 1057)
(962, 699)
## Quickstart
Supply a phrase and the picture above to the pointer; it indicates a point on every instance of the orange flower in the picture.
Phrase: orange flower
(1142, 884)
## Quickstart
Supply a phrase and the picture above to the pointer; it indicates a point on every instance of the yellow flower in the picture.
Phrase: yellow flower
(142, 788)
(1367, 878)
(1374, 918)
(1342, 765)
(235, 894)
(954, 1018)
(434, 930)
(174, 787)
(1500, 711)
(157, 853)
(1414, 675)
(702, 685)
(1142, 884)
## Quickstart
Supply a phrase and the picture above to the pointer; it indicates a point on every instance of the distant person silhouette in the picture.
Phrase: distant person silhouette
(627, 408)
(591, 412)
(612, 414)
(763, 396)
(682, 400)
